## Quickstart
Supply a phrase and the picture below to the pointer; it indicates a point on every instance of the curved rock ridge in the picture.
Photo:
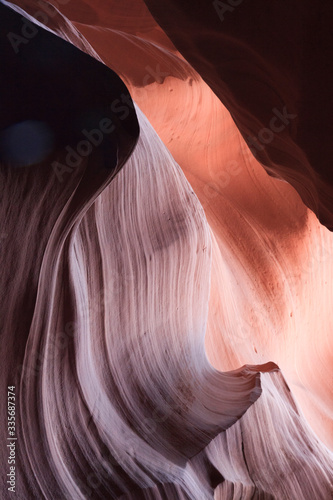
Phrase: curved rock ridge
(289, 264)
(140, 312)
(271, 65)
(279, 458)
(85, 333)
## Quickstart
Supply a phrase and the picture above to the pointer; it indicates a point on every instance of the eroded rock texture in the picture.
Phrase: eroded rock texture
(166, 305)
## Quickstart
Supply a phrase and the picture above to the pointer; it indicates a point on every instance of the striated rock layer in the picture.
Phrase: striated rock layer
(271, 65)
(144, 290)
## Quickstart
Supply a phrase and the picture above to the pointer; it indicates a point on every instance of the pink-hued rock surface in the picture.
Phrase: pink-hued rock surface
(168, 323)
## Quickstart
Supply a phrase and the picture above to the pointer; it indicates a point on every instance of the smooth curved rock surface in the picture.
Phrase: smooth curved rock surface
(143, 300)
(271, 65)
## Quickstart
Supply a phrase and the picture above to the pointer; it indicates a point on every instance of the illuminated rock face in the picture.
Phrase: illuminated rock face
(270, 65)
(167, 314)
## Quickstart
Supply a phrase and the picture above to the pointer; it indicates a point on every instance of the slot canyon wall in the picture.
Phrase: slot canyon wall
(166, 250)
